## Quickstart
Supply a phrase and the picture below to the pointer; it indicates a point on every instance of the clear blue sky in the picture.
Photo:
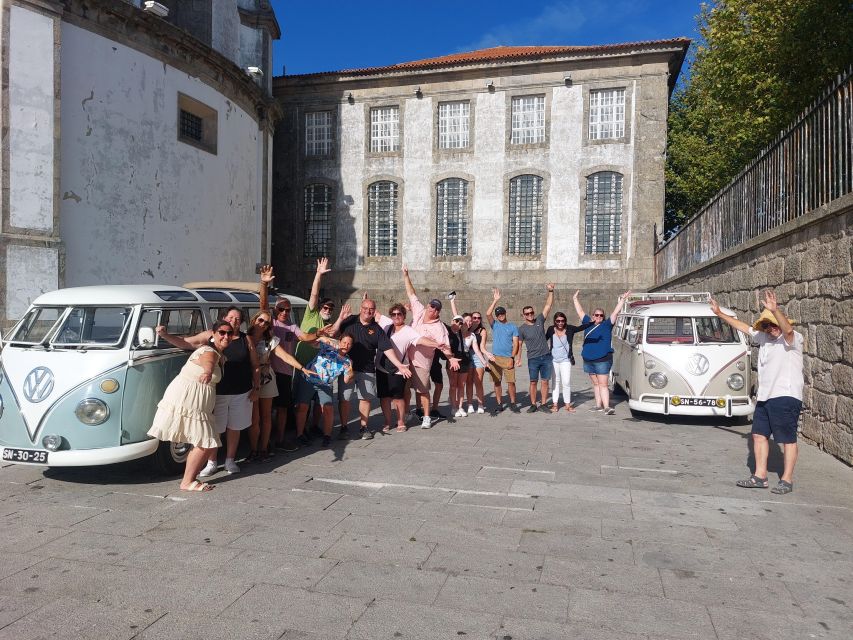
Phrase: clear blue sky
(341, 34)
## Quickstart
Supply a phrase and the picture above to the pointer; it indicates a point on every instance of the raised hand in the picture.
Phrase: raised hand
(550, 287)
(160, 329)
(323, 265)
(577, 293)
(715, 307)
(496, 294)
(346, 311)
(769, 300)
(267, 274)
(364, 296)
(405, 270)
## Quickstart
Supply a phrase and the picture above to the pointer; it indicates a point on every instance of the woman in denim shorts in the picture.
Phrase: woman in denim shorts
(597, 350)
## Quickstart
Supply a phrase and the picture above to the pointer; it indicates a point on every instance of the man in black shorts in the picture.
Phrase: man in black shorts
(780, 390)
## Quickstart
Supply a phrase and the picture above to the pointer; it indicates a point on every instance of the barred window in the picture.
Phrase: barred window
(528, 119)
(385, 129)
(382, 219)
(197, 123)
(451, 217)
(453, 125)
(318, 221)
(524, 236)
(603, 232)
(191, 126)
(319, 134)
(606, 114)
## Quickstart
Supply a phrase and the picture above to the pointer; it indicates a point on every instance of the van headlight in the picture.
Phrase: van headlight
(650, 364)
(52, 442)
(658, 380)
(735, 382)
(92, 411)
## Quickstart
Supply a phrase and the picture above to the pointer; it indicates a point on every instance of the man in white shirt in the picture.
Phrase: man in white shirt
(780, 390)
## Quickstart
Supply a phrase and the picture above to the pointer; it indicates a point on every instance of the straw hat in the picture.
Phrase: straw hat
(767, 316)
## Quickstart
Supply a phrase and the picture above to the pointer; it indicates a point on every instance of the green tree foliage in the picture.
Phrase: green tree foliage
(757, 65)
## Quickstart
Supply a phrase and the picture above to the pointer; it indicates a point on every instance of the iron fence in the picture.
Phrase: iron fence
(808, 165)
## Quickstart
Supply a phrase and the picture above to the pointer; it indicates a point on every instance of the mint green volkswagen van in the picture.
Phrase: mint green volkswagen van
(82, 372)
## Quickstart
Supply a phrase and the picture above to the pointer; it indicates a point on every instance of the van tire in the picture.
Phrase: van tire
(170, 458)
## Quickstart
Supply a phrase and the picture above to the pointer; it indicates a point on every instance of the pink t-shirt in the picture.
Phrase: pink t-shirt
(421, 355)
(288, 334)
(403, 338)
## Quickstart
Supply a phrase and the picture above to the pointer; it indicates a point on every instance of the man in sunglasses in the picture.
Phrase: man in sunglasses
(539, 361)
(505, 347)
(780, 390)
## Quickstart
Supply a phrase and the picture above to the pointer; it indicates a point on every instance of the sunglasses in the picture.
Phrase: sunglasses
(530, 313)
(225, 333)
(397, 313)
(597, 315)
(262, 321)
(327, 308)
(476, 318)
(281, 309)
(561, 321)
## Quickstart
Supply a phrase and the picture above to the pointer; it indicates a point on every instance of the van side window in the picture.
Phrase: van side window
(714, 331)
(182, 322)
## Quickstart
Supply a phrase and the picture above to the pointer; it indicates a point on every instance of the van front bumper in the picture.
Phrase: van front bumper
(661, 404)
(91, 457)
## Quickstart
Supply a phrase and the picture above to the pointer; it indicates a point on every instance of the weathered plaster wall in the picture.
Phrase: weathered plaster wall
(137, 204)
(808, 263)
(564, 162)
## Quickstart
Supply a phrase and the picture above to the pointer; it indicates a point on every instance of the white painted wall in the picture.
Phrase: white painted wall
(30, 272)
(31, 119)
(138, 205)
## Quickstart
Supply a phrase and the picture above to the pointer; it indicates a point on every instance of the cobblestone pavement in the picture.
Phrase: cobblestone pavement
(517, 527)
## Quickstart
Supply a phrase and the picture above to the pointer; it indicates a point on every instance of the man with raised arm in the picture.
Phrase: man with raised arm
(780, 389)
(426, 321)
(505, 347)
(539, 360)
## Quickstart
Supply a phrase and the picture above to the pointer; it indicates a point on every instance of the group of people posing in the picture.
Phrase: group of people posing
(233, 380)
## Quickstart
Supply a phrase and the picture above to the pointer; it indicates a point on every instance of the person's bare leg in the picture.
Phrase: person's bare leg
(531, 392)
(760, 451)
(301, 418)
(265, 409)
(478, 385)
(196, 459)
(423, 399)
(363, 412)
(498, 394)
(594, 380)
(343, 411)
(604, 390)
(543, 391)
(790, 451)
(511, 390)
(436, 395)
(232, 439)
(328, 419)
(400, 405)
(469, 386)
(280, 423)
(255, 428)
(385, 404)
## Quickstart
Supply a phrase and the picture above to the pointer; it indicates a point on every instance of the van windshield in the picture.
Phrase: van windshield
(712, 330)
(98, 327)
(679, 330)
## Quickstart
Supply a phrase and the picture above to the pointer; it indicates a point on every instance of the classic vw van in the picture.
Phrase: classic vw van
(672, 355)
(82, 372)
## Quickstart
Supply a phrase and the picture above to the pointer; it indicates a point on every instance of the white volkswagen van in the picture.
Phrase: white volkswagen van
(672, 355)
(82, 372)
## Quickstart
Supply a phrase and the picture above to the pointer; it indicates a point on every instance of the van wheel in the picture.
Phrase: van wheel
(170, 457)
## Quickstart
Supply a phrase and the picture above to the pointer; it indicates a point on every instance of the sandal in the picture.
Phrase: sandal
(401, 429)
(570, 408)
(386, 429)
(782, 488)
(195, 485)
(554, 408)
(753, 482)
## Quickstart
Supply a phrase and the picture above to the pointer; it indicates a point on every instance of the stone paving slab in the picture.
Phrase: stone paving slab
(514, 527)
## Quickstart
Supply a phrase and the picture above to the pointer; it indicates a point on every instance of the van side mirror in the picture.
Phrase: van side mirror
(632, 337)
(146, 337)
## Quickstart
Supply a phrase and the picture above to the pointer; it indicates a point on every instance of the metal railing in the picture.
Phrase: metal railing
(808, 165)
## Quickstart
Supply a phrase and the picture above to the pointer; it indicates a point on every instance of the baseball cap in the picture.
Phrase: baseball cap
(458, 317)
(500, 311)
(435, 303)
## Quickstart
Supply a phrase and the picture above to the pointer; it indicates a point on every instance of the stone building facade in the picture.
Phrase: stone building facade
(807, 261)
(135, 148)
(508, 167)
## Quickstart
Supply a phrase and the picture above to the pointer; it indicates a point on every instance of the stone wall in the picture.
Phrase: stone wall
(808, 263)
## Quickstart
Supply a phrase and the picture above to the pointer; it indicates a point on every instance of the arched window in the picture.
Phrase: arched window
(382, 218)
(524, 235)
(451, 217)
(318, 221)
(603, 221)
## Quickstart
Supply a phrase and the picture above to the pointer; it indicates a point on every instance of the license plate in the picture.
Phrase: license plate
(25, 455)
(681, 401)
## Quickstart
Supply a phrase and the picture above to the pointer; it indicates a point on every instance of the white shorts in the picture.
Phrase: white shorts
(233, 412)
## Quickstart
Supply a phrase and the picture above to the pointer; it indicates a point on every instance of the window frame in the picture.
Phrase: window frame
(467, 119)
(330, 219)
(331, 141)
(584, 215)
(542, 239)
(546, 104)
(464, 215)
(369, 256)
(370, 109)
(209, 122)
(605, 85)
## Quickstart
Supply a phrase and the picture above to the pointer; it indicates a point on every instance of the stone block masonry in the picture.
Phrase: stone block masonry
(808, 263)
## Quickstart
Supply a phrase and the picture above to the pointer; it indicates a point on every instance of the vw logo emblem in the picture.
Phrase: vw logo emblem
(38, 384)
(697, 364)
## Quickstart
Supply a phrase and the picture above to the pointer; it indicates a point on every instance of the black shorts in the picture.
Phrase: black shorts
(435, 372)
(777, 416)
(284, 383)
(390, 385)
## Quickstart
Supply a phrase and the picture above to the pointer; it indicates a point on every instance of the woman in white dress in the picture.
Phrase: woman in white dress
(185, 414)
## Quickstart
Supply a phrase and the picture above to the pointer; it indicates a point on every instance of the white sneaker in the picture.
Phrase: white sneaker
(470, 409)
(460, 413)
(209, 469)
(426, 423)
(481, 410)
(231, 466)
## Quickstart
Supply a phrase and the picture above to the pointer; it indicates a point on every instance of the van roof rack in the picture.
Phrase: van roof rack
(637, 299)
